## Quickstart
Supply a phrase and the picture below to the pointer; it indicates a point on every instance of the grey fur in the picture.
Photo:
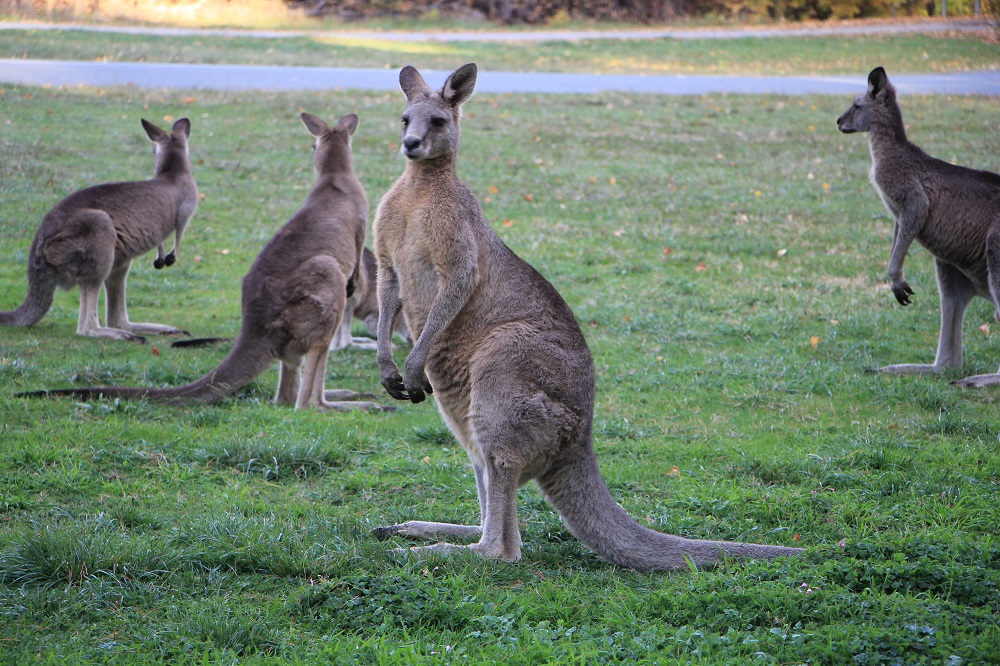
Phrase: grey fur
(953, 211)
(295, 294)
(502, 353)
(91, 237)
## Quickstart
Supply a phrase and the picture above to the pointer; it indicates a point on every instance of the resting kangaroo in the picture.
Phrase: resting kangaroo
(295, 292)
(503, 354)
(91, 237)
(951, 210)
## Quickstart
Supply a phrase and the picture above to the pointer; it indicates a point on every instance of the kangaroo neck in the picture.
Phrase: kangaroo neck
(431, 171)
(887, 127)
(173, 166)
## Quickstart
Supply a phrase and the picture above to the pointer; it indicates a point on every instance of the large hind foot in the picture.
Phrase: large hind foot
(978, 381)
(421, 529)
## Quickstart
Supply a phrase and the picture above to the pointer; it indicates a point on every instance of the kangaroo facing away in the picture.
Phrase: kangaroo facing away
(503, 354)
(953, 211)
(295, 293)
(91, 237)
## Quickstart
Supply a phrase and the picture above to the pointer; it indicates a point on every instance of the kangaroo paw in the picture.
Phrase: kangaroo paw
(170, 259)
(159, 263)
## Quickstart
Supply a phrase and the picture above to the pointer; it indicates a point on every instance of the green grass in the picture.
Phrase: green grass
(701, 242)
(789, 55)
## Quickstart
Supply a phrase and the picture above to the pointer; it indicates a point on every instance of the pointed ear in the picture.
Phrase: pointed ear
(348, 123)
(154, 133)
(877, 81)
(182, 125)
(412, 83)
(315, 124)
(459, 86)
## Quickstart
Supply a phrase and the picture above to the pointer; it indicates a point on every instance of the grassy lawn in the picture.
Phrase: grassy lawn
(725, 257)
(789, 55)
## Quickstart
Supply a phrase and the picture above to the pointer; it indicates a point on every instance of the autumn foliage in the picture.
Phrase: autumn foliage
(500, 11)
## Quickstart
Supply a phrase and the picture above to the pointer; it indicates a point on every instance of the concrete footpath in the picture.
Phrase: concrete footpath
(277, 79)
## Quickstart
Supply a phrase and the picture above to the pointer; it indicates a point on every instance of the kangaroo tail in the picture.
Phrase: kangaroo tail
(41, 292)
(244, 363)
(580, 495)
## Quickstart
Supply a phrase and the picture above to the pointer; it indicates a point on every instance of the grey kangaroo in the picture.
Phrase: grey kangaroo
(295, 293)
(91, 237)
(364, 306)
(502, 352)
(951, 210)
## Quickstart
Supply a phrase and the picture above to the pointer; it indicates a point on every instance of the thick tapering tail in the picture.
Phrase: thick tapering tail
(244, 363)
(580, 495)
(41, 292)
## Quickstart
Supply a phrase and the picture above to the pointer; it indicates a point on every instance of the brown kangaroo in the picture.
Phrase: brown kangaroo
(91, 237)
(295, 293)
(951, 210)
(503, 354)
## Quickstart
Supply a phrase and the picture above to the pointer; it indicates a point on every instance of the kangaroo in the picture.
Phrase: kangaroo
(91, 237)
(953, 211)
(502, 352)
(295, 293)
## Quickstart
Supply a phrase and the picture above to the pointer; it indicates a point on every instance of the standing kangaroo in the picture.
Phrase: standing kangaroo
(503, 354)
(951, 210)
(295, 293)
(91, 237)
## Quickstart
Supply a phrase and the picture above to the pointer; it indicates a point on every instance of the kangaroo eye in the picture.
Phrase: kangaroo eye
(406, 120)
(438, 122)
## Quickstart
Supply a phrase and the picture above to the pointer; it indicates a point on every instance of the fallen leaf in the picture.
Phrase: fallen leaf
(487, 199)
(201, 196)
(701, 267)
(168, 118)
(985, 328)
(492, 189)
(757, 193)
(782, 252)
(612, 180)
(814, 341)
(156, 351)
(796, 537)
(529, 197)
(620, 232)
(675, 471)
(628, 318)
(508, 223)
(427, 459)
(666, 250)
(187, 100)
(226, 251)
(592, 179)
(826, 186)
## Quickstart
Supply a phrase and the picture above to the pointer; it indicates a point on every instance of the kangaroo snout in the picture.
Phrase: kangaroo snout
(412, 147)
(844, 128)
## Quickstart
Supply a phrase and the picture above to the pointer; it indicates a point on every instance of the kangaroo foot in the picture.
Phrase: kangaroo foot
(421, 529)
(156, 329)
(346, 394)
(907, 369)
(114, 334)
(978, 381)
(348, 406)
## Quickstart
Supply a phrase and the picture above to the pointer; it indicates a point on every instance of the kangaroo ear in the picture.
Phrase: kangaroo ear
(315, 124)
(459, 86)
(877, 81)
(154, 133)
(348, 123)
(182, 125)
(412, 83)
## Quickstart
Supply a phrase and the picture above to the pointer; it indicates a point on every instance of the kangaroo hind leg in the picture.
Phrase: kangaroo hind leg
(956, 291)
(993, 275)
(117, 310)
(82, 253)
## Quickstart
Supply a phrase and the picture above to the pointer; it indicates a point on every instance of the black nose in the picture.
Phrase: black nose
(411, 142)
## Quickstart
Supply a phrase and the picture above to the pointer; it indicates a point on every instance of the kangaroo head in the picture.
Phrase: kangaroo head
(867, 106)
(169, 146)
(430, 121)
(332, 148)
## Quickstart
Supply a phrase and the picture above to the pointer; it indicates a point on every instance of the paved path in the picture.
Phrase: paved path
(843, 28)
(251, 77)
